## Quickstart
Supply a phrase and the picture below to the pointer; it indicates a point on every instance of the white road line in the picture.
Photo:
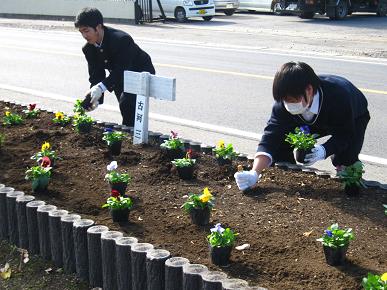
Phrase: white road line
(174, 120)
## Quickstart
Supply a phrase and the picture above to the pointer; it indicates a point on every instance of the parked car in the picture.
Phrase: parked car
(184, 9)
(228, 7)
(261, 6)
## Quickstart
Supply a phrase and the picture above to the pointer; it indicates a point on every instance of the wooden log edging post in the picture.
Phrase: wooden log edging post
(21, 213)
(212, 280)
(124, 262)
(192, 276)
(55, 230)
(12, 217)
(67, 222)
(94, 252)
(3, 212)
(155, 268)
(80, 228)
(230, 284)
(108, 253)
(138, 254)
(32, 226)
(174, 273)
(44, 233)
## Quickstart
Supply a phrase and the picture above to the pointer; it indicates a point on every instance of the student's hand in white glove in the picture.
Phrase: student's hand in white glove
(317, 154)
(246, 179)
(95, 93)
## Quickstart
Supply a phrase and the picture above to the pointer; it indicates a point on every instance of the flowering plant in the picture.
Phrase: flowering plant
(61, 119)
(221, 237)
(118, 202)
(301, 138)
(225, 152)
(174, 142)
(45, 151)
(375, 282)
(352, 175)
(186, 161)
(78, 108)
(81, 120)
(113, 176)
(37, 172)
(31, 112)
(203, 200)
(335, 237)
(12, 119)
(111, 136)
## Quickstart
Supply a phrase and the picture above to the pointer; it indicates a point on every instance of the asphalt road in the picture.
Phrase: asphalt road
(219, 82)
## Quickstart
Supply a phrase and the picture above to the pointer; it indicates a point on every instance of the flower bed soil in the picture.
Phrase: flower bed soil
(274, 219)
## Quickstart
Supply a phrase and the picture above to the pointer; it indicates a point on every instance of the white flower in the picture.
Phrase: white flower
(112, 166)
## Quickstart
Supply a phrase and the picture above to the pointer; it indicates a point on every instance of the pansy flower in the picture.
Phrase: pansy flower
(46, 146)
(7, 113)
(45, 162)
(218, 228)
(173, 135)
(221, 144)
(112, 166)
(305, 129)
(31, 107)
(115, 193)
(59, 115)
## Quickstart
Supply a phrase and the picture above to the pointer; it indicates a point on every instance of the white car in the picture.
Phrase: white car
(184, 9)
(228, 7)
(261, 5)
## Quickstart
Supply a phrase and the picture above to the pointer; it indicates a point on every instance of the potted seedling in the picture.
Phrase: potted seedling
(185, 166)
(117, 181)
(61, 120)
(45, 152)
(79, 108)
(199, 207)
(302, 141)
(335, 243)
(114, 140)
(39, 175)
(351, 177)
(224, 154)
(173, 147)
(12, 119)
(221, 241)
(119, 206)
(375, 282)
(31, 111)
(82, 123)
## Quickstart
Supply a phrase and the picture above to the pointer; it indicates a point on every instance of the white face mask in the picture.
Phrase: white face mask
(295, 108)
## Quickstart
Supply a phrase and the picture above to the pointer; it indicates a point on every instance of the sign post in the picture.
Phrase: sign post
(146, 85)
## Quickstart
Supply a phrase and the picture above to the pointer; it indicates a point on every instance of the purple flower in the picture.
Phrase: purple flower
(218, 228)
(305, 129)
(328, 233)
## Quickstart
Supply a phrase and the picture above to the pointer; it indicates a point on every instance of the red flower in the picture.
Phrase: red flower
(45, 162)
(173, 135)
(115, 193)
(189, 153)
(31, 107)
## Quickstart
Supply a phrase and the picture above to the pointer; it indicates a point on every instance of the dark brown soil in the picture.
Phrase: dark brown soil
(272, 219)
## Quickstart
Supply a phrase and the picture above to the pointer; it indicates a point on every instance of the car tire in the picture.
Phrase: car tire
(207, 18)
(277, 7)
(382, 11)
(341, 10)
(307, 15)
(180, 15)
(229, 12)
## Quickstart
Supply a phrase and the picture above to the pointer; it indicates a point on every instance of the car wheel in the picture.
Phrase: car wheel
(277, 7)
(381, 11)
(180, 15)
(341, 10)
(229, 12)
(207, 18)
(307, 15)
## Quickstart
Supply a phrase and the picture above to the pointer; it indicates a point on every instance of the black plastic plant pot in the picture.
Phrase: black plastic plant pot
(119, 214)
(40, 184)
(115, 148)
(84, 128)
(335, 256)
(222, 161)
(186, 173)
(175, 153)
(352, 190)
(200, 216)
(220, 256)
(119, 186)
(300, 155)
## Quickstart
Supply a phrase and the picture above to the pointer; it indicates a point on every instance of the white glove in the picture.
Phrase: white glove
(318, 153)
(95, 93)
(246, 179)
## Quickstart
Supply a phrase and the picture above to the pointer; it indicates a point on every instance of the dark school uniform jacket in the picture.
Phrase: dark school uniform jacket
(341, 104)
(117, 53)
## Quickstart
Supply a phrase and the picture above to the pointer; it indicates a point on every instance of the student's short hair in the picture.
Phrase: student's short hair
(88, 16)
(292, 79)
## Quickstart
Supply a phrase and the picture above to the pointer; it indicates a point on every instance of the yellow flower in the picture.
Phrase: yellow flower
(206, 196)
(45, 146)
(384, 277)
(59, 115)
(7, 113)
(221, 144)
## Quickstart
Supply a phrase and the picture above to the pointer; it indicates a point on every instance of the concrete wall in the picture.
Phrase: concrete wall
(112, 9)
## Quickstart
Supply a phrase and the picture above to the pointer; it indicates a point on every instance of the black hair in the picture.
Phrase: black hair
(88, 16)
(292, 79)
